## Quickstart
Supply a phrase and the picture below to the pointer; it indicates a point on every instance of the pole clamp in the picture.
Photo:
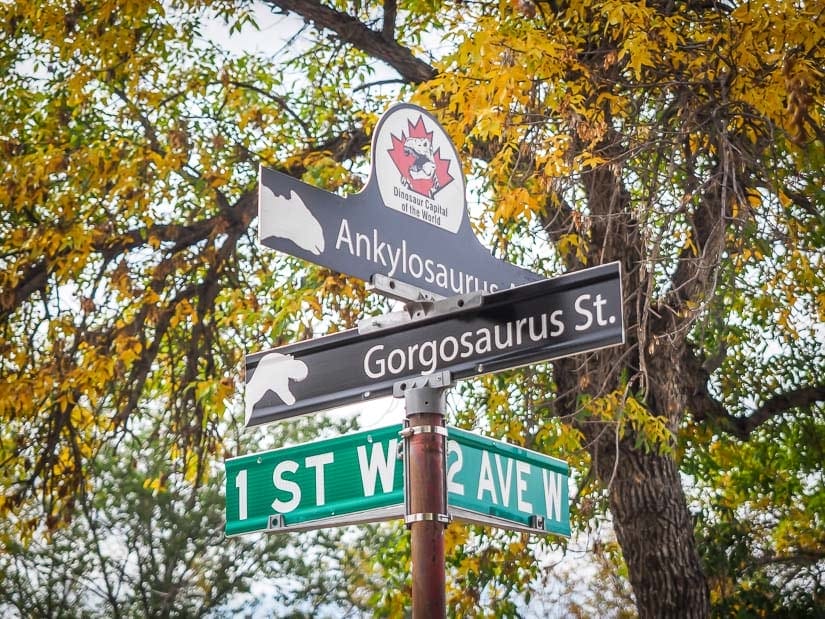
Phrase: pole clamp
(427, 517)
(412, 431)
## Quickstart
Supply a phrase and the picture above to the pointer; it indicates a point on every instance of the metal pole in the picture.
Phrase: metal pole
(425, 452)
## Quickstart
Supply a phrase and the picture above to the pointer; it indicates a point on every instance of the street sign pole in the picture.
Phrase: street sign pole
(425, 456)
(408, 235)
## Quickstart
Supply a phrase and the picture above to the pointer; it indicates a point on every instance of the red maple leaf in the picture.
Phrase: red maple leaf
(442, 170)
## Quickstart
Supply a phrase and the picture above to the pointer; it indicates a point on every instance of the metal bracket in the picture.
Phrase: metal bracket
(370, 324)
(433, 381)
(537, 522)
(420, 310)
(423, 430)
(399, 290)
(276, 521)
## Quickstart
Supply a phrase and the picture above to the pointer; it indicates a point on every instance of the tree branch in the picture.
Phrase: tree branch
(354, 32)
(388, 27)
(37, 274)
(694, 279)
(695, 275)
(801, 398)
(802, 557)
(706, 406)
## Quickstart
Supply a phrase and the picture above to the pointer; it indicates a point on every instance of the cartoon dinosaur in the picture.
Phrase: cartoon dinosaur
(423, 166)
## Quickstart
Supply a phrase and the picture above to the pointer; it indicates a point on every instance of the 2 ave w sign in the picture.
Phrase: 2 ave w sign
(359, 478)
(495, 483)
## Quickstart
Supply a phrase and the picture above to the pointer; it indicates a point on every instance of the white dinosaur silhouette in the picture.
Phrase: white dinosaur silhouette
(273, 373)
(289, 218)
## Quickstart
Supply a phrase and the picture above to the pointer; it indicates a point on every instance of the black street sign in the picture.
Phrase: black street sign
(409, 223)
(573, 313)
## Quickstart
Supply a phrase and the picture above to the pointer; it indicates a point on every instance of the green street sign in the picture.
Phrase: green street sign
(349, 479)
(358, 478)
(495, 483)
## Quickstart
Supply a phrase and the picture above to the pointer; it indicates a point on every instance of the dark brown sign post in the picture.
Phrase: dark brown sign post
(425, 456)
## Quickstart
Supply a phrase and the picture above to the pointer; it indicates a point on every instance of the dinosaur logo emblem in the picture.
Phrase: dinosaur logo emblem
(423, 170)
(417, 168)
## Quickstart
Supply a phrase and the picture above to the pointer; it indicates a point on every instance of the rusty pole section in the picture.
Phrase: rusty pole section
(425, 452)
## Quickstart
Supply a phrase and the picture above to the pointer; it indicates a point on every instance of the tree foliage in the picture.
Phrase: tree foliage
(147, 542)
(682, 139)
(131, 154)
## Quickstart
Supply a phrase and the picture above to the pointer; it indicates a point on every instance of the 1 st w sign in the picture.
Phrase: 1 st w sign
(349, 479)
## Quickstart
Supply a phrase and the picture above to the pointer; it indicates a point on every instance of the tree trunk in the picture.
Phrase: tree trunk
(653, 525)
(650, 514)
(655, 531)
